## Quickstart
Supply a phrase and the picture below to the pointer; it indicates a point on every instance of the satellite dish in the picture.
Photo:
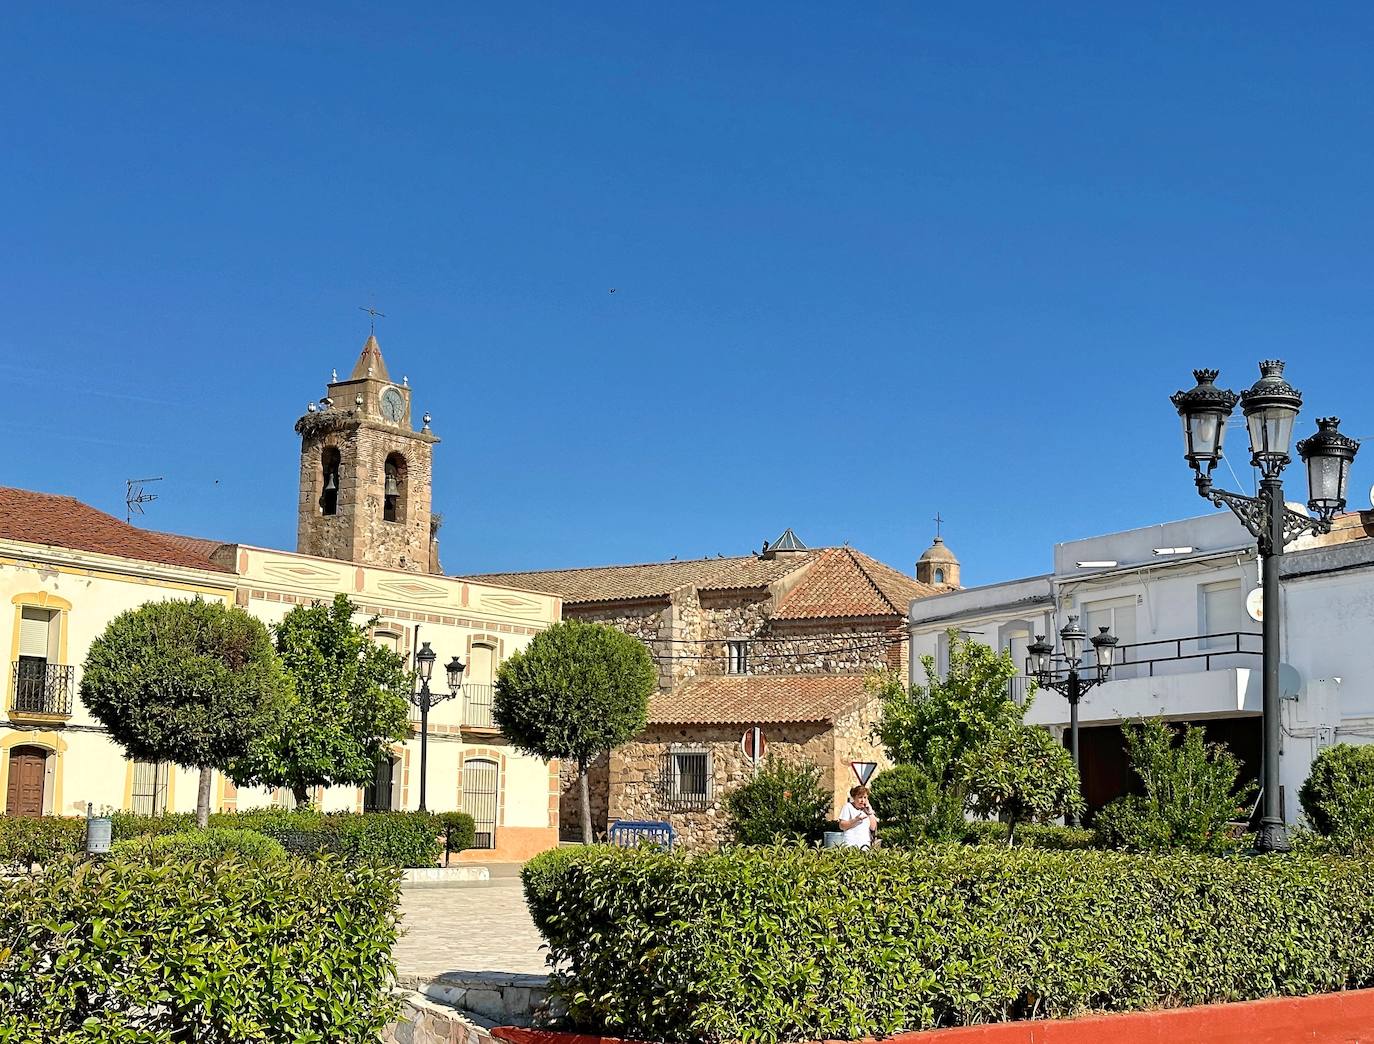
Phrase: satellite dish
(1254, 604)
(1290, 681)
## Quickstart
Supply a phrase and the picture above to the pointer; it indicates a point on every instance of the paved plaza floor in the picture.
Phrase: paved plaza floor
(481, 926)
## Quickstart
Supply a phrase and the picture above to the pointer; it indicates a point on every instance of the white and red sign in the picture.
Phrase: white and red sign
(753, 744)
(863, 771)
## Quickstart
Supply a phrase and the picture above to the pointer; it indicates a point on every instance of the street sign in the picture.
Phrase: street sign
(753, 744)
(864, 770)
(1254, 604)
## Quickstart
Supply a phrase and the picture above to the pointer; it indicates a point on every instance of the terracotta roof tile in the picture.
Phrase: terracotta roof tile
(41, 518)
(758, 699)
(650, 580)
(845, 582)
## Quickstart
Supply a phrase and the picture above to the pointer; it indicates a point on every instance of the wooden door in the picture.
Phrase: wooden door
(28, 768)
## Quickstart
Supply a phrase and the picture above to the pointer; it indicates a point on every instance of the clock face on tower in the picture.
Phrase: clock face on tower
(393, 405)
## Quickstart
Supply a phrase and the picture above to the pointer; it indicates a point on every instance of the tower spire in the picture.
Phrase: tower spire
(370, 362)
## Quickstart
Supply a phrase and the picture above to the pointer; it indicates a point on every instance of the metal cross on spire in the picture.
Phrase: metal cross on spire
(938, 522)
(373, 315)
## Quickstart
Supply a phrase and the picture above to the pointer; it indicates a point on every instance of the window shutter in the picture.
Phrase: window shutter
(33, 633)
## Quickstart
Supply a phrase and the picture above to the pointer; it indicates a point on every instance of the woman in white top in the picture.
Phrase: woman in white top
(857, 819)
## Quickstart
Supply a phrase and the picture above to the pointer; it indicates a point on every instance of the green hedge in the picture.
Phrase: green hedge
(219, 953)
(772, 944)
(193, 845)
(460, 831)
(25, 841)
(1031, 835)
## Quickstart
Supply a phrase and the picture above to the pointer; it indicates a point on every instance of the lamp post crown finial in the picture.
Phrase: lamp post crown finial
(1206, 376)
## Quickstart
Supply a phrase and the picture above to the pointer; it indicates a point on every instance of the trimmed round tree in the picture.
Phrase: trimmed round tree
(190, 682)
(575, 692)
(349, 704)
(1023, 775)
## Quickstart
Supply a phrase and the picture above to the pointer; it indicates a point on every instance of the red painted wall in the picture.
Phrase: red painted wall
(1329, 1018)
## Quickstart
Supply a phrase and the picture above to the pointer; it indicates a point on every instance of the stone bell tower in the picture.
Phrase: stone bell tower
(365, 473)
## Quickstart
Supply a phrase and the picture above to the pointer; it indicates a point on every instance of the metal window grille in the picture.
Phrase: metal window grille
(149, 797)
(41, 687)
(477, 706)
(686, 779)
(481, 790)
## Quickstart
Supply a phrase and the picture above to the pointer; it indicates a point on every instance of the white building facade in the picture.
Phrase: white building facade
(1178, 598)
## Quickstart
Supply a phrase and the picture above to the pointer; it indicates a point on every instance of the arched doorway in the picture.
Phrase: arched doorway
(27, 779)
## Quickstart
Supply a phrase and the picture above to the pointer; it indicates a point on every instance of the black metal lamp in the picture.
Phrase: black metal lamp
(1071, 636)
(1204, 410)
(1104, 644)
(1038, 656)
(1327, 455)
(455, 669)
(1271, 406)
(424, 662)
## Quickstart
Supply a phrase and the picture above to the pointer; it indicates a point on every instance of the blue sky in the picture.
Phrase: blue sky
(871, 261)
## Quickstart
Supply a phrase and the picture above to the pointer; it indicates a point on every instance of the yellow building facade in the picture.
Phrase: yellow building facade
(364, 530)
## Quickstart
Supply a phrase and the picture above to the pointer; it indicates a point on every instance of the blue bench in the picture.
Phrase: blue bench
(631, 833)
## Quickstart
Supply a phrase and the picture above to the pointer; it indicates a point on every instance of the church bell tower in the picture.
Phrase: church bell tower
(365, 473)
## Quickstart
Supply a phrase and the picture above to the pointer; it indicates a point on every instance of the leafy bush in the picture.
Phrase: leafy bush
(1022, 774)
(218, 953)
(460, 831)
(397, 838)
(1049, 836)
(914, 809)
(1191, 794)
(1338, 796)
(769, 944)
(26, 841)
(783, 802)
(198, 845)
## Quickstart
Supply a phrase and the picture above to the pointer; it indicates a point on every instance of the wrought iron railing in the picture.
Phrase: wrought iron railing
(1164, 656)
(1017, 688)
(477, 706)
(42, 688)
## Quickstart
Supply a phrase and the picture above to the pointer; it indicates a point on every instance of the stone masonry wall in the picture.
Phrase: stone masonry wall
(637, 768)
(854, 742)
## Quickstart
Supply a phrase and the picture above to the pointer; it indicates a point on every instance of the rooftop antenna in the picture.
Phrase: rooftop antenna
(135, 497)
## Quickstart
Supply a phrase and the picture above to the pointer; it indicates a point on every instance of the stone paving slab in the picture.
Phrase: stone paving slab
(466, 929)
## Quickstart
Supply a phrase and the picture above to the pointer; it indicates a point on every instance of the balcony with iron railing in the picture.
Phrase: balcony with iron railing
(1197, 676)
(477, 702)
(41, 689)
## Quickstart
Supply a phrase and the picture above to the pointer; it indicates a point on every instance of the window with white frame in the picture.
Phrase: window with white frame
(1118, 614)
(686, 782)
(1221, 613)
(149, 794)
(737, 657)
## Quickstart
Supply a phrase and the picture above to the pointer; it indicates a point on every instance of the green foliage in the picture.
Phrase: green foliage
(1021, 774)
(225, 952)
(783, 802)
(1338, 797)
(460, 831)
(26, 841)
(1049, 836)
(199, 845)
(576, 691)
(935, 724)
(348, 704)
(189, 682)
(408, 839)
(772, 944)
(914, 809)
(1191, 794)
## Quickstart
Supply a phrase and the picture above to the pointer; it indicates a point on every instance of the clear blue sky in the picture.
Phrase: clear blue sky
(872, 260)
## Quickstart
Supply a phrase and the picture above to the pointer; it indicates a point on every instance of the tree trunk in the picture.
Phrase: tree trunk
(587, 837)
(301, 795)
(203, 797)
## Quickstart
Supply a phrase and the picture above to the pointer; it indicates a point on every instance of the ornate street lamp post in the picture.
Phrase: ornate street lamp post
(424, 699)
(1061, 673)
(1270, 407)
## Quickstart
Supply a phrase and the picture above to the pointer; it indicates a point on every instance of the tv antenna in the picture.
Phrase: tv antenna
(135, 497)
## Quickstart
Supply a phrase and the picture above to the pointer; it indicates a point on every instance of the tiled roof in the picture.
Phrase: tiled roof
(41, 518)
(195, 545)
(758, 699)
(845, 582)
(650, 580)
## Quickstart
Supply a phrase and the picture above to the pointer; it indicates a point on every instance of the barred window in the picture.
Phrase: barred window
(686, 782)
(149, 797)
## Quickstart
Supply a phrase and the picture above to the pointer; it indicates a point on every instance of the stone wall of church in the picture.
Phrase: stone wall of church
(637, 773)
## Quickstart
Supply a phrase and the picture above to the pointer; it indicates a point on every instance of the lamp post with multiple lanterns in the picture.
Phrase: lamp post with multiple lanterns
(1270, 407)
(1062, 673)
(424, 699)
